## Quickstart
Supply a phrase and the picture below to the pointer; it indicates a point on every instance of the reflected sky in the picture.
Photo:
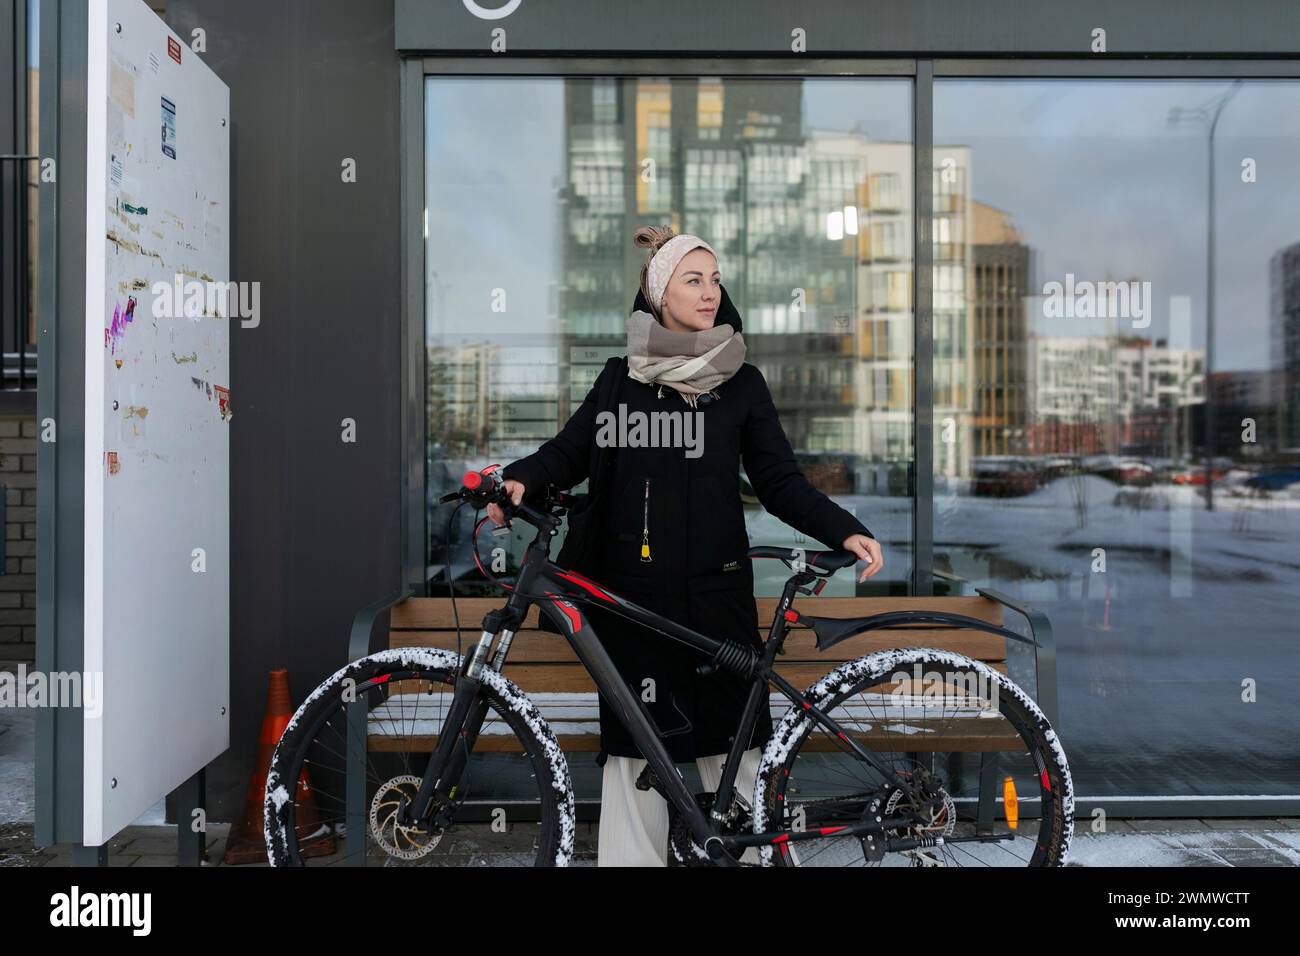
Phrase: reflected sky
(1102, 185)
(1096, 178)
(495, 160)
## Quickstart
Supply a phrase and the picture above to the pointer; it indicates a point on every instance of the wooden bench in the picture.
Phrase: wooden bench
(543, 665)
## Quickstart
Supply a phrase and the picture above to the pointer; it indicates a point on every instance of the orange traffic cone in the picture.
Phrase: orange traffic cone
(246, 843)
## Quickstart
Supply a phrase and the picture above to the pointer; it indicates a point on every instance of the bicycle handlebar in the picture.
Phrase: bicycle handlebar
(485, 487)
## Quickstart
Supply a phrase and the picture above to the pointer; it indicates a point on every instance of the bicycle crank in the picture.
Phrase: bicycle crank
(689, 853)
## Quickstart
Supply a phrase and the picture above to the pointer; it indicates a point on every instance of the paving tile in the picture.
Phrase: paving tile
(1260, 857)
(1282, 839)
(1244, 823)
(1211, 840)
(1137, 850)
(152, 846)
(1173, 825)
(1113, 826)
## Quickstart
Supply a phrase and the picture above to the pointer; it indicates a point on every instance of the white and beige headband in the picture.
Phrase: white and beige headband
(664, 262)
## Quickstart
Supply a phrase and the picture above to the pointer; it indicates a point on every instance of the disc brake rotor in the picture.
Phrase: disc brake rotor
(932, 821)
(405, 842)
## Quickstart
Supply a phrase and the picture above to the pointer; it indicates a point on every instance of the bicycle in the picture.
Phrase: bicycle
(839, 782)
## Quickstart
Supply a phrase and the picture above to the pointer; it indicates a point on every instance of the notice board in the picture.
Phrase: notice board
(158, 414)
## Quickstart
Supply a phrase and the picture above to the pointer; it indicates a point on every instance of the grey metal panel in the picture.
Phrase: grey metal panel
(314, 524)
(1093, 66)
(1166, 806)
(662, 66)
(922, 583)
(61, 397)
(13, 172)
(1098, 68)
(915, 28)
(414, 514)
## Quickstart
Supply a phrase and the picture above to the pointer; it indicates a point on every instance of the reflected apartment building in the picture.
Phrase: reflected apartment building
(1112, 394)
(813, 229)
(1284, 293)
(1002, 274)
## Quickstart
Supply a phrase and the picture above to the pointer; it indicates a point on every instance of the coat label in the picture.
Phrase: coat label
(731, 566)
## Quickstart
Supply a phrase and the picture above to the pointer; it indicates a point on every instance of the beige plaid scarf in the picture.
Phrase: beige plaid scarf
(693, 363)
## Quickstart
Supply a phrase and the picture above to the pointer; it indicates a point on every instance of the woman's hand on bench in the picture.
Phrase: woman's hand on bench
(515, 489)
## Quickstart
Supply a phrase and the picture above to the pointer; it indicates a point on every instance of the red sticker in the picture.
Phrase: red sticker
(223, 400)
(173, 49)
(110, 458)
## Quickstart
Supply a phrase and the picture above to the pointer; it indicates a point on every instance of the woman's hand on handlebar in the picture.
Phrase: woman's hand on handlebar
(868, 550)
(515, 489)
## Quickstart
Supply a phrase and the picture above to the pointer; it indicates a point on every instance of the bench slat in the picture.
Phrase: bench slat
(530, 647)
(573, 679)
(436, 613)
(884, 723)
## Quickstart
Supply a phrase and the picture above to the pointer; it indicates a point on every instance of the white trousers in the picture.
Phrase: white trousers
(634, 823)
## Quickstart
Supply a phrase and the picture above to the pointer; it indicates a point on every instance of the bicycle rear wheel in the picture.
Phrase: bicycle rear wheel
(946, 723)
(513, 804)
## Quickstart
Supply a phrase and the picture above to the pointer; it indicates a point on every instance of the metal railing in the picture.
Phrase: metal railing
(18, 368)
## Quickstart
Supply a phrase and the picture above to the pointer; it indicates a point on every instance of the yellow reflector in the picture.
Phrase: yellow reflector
(1009, 801)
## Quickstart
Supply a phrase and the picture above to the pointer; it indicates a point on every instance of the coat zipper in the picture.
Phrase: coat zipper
(645, 525)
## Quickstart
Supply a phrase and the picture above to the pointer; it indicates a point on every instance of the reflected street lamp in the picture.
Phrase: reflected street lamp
(1208, 114)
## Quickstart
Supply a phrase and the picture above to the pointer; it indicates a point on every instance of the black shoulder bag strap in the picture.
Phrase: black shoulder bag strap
(606, 401)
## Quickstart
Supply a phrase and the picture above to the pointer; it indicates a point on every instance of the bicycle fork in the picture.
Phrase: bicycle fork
(464, 721)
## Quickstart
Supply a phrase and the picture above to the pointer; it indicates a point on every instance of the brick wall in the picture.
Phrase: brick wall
(18, 583)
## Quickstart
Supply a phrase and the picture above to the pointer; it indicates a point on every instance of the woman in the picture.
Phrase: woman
(673, 537)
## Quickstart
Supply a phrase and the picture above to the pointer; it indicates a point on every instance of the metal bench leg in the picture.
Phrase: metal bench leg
(988, 792)
(191, 844)
(355, 785)
(83, 855)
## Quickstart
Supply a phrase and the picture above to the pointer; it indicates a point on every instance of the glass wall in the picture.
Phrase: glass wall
(534, 187)
(1116, 423)
(1117, 430)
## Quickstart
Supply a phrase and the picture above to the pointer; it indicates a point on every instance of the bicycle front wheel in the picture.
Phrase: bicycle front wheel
(513, 804)
(989, 780)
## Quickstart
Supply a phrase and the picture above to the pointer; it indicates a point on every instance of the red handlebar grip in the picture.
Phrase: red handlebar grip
(472, 480)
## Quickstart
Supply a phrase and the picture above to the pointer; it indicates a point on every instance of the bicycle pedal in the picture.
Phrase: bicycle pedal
(647, 779)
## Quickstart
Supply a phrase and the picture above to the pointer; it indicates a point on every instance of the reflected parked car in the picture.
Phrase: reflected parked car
(1122, 471)
(1004, 476)
(1196, 476)
(1274, 480)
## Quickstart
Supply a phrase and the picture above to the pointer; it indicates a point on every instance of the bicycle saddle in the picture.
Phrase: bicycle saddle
(822, 560)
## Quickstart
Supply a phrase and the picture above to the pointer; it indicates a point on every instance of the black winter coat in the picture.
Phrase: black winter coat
(699, 573)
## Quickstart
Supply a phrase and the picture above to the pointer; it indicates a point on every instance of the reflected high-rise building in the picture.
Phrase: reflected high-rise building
(953, 310)
(1111, 394)
(463, 392)
(1002, 272)
(1284, 289)
(812, 228)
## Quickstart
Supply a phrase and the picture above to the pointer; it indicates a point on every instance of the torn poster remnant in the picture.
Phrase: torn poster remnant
(223, 402)
(117, 328)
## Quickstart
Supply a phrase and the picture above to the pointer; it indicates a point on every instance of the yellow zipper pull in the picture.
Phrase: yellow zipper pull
(645, 525)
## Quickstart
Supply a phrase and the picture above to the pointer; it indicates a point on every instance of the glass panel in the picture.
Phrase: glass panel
(534, 189)
(1081, 462)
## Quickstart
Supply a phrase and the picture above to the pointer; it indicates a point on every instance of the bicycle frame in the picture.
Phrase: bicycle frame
(558, 594)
